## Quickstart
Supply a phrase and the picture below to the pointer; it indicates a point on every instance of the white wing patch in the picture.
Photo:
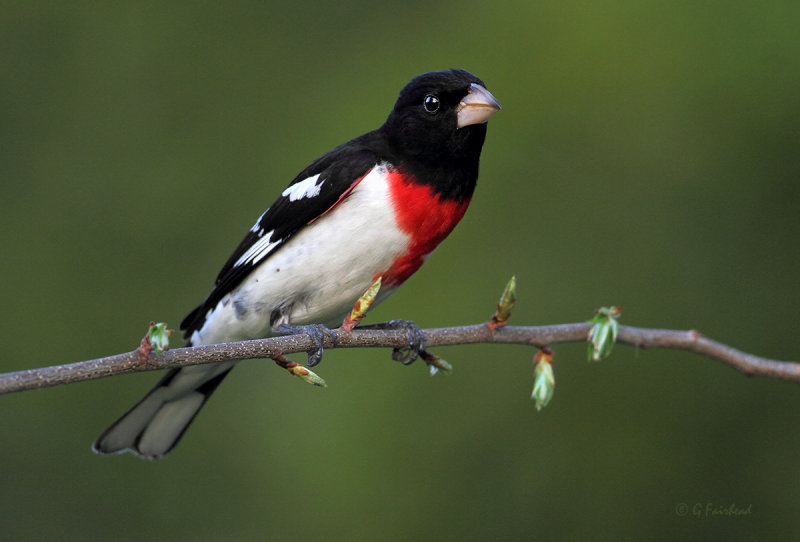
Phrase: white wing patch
(257, 226)
(258, 251)
(307, 188)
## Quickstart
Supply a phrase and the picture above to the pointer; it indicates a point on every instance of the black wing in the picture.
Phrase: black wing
(315, 191)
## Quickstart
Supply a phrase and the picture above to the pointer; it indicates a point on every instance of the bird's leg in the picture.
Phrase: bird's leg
(416, 339)
(317, 333)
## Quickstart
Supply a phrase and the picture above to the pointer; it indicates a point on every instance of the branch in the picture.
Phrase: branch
(144, 359)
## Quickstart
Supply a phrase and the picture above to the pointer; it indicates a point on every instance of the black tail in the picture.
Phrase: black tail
(153, 427)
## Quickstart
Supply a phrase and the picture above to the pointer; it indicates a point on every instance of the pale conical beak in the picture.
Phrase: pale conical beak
(476, 107)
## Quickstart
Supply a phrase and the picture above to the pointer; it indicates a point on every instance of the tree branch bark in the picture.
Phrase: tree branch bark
(540, 336)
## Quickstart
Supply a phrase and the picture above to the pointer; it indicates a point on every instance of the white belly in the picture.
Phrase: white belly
(319, 274)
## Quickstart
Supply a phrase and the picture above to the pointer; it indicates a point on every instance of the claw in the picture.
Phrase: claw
(416, 339)
(317, 333)
(416, 342)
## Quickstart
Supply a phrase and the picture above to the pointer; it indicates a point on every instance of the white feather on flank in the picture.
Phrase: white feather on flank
(307, 188)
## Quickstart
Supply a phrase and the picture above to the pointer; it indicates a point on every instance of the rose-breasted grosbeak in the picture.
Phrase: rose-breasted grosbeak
(376, 206)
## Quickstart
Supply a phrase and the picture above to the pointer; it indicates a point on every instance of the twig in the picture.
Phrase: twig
(541, 336)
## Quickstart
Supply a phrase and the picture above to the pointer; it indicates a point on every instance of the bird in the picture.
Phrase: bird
(372, 208)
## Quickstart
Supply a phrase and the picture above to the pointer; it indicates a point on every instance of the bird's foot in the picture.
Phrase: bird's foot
(317, 333)
(416, 340)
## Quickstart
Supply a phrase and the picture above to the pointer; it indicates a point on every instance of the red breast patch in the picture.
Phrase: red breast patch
(425, 217)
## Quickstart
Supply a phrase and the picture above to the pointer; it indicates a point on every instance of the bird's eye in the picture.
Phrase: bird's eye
(431, 103)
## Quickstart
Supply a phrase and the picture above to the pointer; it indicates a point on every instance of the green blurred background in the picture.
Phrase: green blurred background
(647, 156)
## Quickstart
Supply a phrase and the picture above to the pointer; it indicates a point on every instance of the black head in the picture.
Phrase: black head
(439, 119)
